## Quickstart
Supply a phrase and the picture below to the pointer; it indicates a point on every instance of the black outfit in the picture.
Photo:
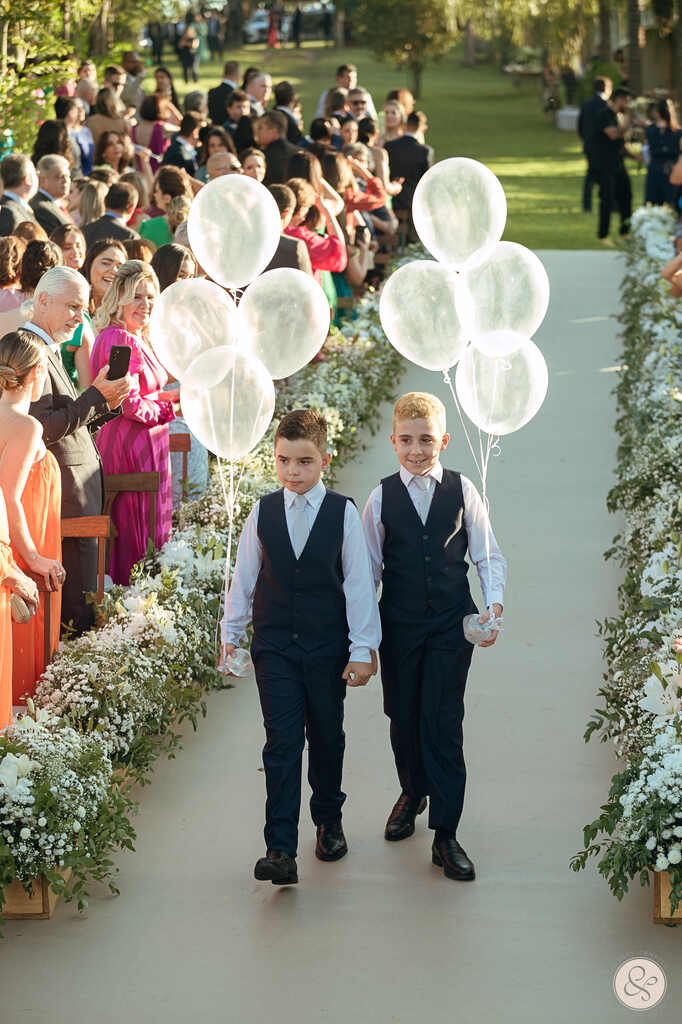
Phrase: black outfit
(241, 132)
(291, 252)
(179, 155)
(407, 159)
(65, 417)
(12, 214)
(155, 33)
(277, 157)
(296, 24)
(615, 190)
(664, 150)
(47, 212)
(424, 655)
(107, 227)
(300, 648)
(217, 101)
(587, 122)
(294, 133)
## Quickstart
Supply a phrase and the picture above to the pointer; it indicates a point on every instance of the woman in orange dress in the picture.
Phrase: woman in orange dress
(31, 483)
(12, 580)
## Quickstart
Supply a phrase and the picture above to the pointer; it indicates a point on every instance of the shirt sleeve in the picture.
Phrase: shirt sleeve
(375, 534)
(362, 610)
(239, 597)
(492, 566)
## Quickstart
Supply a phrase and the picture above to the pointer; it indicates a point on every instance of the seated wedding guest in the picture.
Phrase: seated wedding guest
(102, 260)
(108, 116)
(270, 132)
(12, 581)
(394, 122)
(286, 102)
(87, 88)
(182, 151)
(238, 123)
(218, 97)
(253, 163)
(368, 134)
(54, 182)
(137, 440)
(141, 185)
(408, 159)
(115, 150)
(92, 202)
(216, 140)
(290, 252)
(60, 300)
(326, 253)
(153, 130)
(119, 204)
(165, 91)
(30, 482)
(52, 138)
(140, 249)
(20, 184)
(11, 255)
(222, 163)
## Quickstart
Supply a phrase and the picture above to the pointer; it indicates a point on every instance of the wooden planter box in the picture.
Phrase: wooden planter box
(18, 903)
(662, 900)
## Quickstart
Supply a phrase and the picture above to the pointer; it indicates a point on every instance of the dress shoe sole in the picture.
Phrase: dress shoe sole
(458, 876)
(268, 875)
(331, 856)
(409, 831)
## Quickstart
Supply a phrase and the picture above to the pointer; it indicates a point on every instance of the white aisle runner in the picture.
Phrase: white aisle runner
(382, 936)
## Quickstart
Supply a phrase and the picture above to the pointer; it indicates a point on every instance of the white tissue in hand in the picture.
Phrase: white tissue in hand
(477, 632)
(238, 663)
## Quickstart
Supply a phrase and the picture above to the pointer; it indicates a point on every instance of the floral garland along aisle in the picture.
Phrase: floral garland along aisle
(111, 701)
(640, 827)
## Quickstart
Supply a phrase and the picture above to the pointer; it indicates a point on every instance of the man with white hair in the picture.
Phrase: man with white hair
(19, 181)
(54, 183)
(259, 90)
(59, 301)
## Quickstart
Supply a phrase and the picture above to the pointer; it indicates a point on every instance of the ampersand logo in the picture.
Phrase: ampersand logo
(639, 983)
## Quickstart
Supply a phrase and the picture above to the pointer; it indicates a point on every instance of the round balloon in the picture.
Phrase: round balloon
(419, 316)
(287, 315)
(190, 317)
(502, 393)
(459, 208)
(508, 291)
(234, 228)
(230, 417)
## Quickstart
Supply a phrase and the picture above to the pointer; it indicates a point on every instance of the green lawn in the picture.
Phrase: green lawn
(472, 112)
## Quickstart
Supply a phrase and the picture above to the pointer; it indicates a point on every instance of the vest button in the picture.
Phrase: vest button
(428, 579)
(425, 536)
(294, 636)
(427, 558)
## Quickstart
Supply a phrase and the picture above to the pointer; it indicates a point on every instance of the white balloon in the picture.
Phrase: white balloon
(499, 343)
(419, 316)
(287, 315)
(234, 228)
(508, 291)
(502, 393)
(459, 208)
(190, 317)
(230, 417)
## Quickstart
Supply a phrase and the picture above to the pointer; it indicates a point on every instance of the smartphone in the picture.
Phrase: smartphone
(119, 361)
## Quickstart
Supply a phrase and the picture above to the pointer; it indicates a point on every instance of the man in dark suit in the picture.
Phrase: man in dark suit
(20, 183)
(408, 159)
(120, 202)
(182, 151)
(290, 252)
(218, 97)
(270, 131)
(58, 305)
(285, 101)
(54, 182)
(587, 123)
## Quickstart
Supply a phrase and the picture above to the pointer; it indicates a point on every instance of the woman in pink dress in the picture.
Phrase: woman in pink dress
(137, 440)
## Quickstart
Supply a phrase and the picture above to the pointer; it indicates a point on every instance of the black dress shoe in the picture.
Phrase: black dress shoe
(277, 867)
(400, 822)
(449, 855)
(331, 842)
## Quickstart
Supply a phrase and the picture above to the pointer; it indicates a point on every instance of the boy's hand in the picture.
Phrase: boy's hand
(227, 652)
(497, 609)
(358, 673)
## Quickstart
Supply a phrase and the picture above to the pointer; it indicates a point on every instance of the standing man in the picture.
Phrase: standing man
(218, 97)
(54, 182)
(609, 152)
(271, 131)
(408, 158)
(286, 101)
(20, 183)
(589, 112)
(132, 93)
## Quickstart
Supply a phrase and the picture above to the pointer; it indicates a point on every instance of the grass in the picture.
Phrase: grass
(474, 112)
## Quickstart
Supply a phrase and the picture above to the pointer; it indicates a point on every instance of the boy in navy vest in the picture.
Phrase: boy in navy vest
(302, 565)
(419, 524)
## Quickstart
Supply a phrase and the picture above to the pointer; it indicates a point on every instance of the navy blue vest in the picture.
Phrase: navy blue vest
(425, 570)
(301, 601)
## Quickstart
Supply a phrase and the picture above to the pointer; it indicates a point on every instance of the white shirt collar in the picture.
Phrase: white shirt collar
(436, 473)
(18, 199)
(228, 81)
(50, 342)
(315, 495)
(46, 193)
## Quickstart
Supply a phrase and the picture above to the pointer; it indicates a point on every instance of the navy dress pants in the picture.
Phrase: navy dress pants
(424, 673)
(301, 697)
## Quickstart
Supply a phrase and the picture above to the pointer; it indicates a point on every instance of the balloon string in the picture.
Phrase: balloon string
(230, 499)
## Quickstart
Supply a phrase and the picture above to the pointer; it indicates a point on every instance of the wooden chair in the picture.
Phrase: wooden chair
(182, 443)
(44, 588)
(94, 527)
(404, 228)
(136, 483)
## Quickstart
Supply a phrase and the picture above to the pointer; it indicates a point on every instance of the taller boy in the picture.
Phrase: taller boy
(418, 525)
(303, 563)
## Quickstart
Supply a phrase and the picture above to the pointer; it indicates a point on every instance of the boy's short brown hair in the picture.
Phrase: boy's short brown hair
(304, 425)
(420, 405)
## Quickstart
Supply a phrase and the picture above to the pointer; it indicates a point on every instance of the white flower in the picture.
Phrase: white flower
(660, 702)
(25, 833)
(651, 843)
(674, 855)
(76, 826)
(661, 863)
(42, 822)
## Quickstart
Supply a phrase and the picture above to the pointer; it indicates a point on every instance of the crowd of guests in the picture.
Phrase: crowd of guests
(93, 226)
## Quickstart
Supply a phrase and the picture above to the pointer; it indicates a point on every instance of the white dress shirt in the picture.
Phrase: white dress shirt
(475, 521)
(361, 605)
(53, 345)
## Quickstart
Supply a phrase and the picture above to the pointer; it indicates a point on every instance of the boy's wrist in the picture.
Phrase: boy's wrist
(362, 654)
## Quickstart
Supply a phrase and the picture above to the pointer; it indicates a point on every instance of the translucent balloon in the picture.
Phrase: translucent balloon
(230, 417)
(287, 315)
(508, 291)
(234, 228)
(499, 343)
(190, 317)
(418, 314)
(502, 393)
(459, 208)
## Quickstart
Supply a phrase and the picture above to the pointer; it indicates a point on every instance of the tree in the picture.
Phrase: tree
(605, 45)
(409, 32)
(634, 55)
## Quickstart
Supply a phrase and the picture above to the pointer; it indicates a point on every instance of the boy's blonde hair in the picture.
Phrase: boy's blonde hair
(419, 405)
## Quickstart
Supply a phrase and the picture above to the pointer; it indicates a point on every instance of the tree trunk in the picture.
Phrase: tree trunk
(417, 70)
(340, 26)
(634, 56)
(471, 44)
(99, 32)
(605, 44)
(66, 20)
(4, 36)
(678, 54)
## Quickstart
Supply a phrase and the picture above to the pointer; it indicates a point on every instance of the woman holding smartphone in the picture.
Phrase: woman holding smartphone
(137, 440)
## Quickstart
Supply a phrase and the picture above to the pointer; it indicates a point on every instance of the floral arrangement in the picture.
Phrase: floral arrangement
(111, 701)
(640, 827)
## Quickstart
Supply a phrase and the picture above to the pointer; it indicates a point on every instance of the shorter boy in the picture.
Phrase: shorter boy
(419, 524)
(303, 565)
